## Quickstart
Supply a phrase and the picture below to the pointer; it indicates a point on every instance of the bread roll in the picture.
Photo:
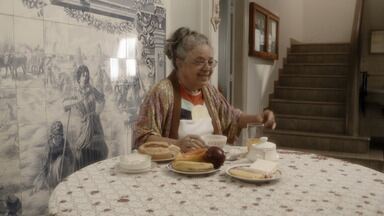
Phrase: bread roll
(193, 155)
(191, 166)
(157, 150)
(174, 149)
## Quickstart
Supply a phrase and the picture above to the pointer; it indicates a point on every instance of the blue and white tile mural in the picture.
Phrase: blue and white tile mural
(72, 75)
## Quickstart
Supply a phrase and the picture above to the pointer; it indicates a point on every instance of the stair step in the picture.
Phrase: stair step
(374, 158)
(318, 57)
(317, 53)
(311, 124)
(308, 93)
(318, 141)
(317, 81)
(314, 47)
(308, 108)
(330, 69)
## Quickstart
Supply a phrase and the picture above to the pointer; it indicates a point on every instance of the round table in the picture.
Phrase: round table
(310, 185)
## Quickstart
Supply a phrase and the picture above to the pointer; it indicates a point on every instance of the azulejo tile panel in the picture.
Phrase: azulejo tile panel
(9, 152)
(29, 46)
(8, 112)
(47, 41)
(6, 7)
(29, 96)
(33, 141)
(6, 46)
(55, 14)
(32, 9)
(33, 114)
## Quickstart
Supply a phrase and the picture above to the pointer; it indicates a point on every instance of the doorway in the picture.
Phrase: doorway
(225, 70)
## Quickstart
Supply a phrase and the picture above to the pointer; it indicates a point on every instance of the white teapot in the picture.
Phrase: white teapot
(264, 150)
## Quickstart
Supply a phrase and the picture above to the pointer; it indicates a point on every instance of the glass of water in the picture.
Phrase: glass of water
(254, 133)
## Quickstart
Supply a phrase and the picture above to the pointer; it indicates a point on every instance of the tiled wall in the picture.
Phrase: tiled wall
(42, 45)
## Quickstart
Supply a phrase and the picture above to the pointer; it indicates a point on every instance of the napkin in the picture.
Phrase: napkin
(264, 166)
(234, 152)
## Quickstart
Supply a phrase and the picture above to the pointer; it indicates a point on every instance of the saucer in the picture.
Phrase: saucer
(133, 171)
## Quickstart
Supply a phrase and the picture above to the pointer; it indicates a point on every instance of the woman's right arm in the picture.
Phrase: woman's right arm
(71, 102)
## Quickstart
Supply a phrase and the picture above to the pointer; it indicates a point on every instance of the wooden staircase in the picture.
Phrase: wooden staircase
(309, 101)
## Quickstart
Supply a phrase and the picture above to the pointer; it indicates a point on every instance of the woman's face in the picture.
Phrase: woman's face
(196, 69)
(83, 79)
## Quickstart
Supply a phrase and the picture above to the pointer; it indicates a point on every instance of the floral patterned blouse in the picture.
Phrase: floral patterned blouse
(160, 112)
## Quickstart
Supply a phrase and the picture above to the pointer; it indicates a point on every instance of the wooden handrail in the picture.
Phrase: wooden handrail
(352, 103)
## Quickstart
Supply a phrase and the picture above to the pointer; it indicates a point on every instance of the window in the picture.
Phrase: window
(263, 33)
(124, 66)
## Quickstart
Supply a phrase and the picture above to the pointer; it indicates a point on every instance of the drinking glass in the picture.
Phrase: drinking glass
(254, 133)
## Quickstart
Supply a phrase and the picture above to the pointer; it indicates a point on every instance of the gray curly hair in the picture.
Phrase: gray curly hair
(181, 42)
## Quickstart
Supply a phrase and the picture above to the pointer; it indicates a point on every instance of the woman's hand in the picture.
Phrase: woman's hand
(190, 142)
(269, 119)
(71, 102)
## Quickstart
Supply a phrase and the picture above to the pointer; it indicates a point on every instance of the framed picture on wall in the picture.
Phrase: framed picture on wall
(377, 42)
(263, 33)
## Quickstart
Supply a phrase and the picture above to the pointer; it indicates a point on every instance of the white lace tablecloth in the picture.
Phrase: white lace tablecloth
(310, 185)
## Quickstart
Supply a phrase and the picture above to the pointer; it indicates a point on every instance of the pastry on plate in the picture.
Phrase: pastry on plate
(159, 150)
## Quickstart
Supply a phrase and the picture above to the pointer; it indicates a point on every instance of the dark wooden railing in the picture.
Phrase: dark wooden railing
(352, 100)
(363, 91)
(366, 92)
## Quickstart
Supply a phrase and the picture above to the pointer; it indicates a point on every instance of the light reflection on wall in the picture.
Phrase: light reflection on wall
(125, 61)
(131, 67)
(114, 65)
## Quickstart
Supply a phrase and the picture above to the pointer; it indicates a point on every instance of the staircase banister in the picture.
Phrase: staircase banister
(352, 96)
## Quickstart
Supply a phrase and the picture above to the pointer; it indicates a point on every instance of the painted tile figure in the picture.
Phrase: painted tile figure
(90, 144)
(13, 205)
(59, 162)
(5, 64)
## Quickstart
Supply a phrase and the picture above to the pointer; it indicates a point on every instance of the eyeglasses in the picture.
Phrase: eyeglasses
(212, 63)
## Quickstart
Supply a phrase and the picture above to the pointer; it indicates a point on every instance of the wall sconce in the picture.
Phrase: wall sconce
(215, 19)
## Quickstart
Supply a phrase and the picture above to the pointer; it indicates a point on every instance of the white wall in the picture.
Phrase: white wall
(260, 74)
(328, 20)
(194, 14)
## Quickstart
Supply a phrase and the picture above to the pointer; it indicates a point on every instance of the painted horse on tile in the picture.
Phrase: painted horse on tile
(5, 63)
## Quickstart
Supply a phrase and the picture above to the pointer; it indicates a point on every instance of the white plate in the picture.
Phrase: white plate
(277, 175)
(169, 166)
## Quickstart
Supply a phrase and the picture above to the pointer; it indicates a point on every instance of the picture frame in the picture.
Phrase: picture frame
(377, 42)
(263, 33)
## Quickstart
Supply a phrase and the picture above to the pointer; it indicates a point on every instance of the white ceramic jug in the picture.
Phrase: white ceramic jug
(265, 150)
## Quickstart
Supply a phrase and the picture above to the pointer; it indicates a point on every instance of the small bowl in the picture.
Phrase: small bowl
(215, 140)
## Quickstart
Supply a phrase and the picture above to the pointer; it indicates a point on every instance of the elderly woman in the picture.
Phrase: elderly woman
(185, 106)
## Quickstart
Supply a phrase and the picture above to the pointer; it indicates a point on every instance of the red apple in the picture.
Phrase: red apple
(215, 155)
